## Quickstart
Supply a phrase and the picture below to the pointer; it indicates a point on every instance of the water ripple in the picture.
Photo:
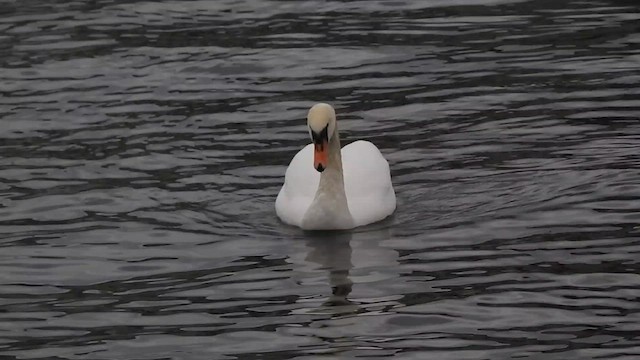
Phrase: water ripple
(143, 145)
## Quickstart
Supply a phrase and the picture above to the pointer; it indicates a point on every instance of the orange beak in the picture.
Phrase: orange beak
(320, 155)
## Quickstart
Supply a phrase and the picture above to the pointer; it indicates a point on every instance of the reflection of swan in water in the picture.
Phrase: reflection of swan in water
(355, 259)
(332, 250)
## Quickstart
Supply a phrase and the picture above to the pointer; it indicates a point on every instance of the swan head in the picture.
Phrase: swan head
(322, 126)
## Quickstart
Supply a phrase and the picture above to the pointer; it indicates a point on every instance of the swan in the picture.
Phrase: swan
(329, 188)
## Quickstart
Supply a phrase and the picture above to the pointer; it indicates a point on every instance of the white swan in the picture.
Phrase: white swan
(343, 189)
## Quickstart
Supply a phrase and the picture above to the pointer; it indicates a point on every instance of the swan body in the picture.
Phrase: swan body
(331, 188)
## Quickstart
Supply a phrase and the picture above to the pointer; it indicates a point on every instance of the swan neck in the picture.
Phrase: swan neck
(332, 175)
(330, 209)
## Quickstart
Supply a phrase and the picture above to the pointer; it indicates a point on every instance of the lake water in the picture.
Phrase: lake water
(143, 143)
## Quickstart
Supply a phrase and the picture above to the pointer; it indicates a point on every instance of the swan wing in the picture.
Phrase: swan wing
(300, 184)
(368, 184)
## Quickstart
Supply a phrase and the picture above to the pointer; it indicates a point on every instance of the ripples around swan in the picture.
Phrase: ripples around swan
(143, 144)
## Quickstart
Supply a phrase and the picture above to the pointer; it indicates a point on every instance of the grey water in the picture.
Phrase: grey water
(143, 143)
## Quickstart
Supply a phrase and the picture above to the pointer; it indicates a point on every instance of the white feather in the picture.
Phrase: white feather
(367, 183)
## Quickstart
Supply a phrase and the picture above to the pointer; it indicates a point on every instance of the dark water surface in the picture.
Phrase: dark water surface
(142, 145)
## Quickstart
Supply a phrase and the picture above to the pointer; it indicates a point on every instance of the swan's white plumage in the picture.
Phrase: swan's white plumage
(367, 183)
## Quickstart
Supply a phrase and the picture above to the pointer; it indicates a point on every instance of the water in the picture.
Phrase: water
(143, 144)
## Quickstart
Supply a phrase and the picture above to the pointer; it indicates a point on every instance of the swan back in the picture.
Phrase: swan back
(367, 182)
